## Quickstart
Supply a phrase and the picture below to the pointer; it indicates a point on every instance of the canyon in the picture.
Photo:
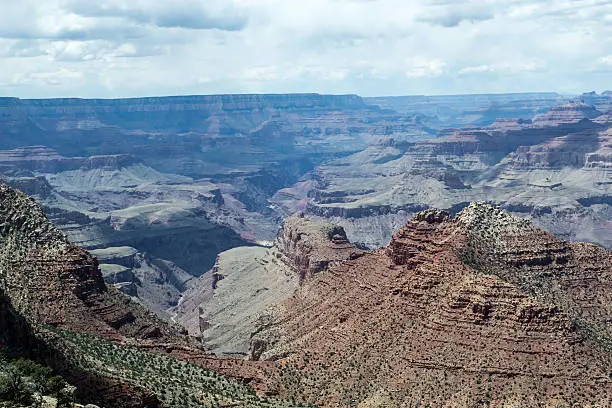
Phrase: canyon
(225, 306)
(57, 309)
(159, 187)
(554, 169)
(175, 181)
(478, 310)
(482, 308)
(305, 249)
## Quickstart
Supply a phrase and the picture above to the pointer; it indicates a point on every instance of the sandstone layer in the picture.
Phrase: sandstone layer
(479, 310)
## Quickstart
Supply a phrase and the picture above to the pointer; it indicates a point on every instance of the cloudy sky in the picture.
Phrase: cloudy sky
(118, 48)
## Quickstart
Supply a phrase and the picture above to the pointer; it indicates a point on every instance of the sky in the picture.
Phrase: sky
(125, 48)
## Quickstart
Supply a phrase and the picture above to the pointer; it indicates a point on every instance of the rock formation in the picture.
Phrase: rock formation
(225, 305)
(49, 281)
(180, 179)
(452, 111)
(56, 308)
(309, 247)
(479, 310)
(554, 169)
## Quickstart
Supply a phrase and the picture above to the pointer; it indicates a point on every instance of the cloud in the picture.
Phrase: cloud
(503, 68)
(420, 67)
(26, 20)
(97, 50)
(47, 78)
(607, 60)
(189, 14)
(370, 47)
(478, 69)
(452, 14)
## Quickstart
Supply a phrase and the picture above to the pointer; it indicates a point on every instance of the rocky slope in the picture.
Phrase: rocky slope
(482, 309)
(56, 308)
(224, 306)
(479, 310)
(176, 224)
(554, 169)
(180, 179)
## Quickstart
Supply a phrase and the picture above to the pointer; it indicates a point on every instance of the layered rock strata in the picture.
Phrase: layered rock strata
(57, 308)
(482, 309)
(554, 169)
(181, 179)
(224, 306)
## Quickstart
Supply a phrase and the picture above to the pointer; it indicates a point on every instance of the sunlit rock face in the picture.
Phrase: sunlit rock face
(481, 298)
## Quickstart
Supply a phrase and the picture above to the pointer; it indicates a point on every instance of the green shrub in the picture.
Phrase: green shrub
(29, 368)
(14, 389)
(64, 399)
(55, 385)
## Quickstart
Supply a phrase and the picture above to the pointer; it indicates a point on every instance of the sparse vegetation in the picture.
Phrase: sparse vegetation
(176, 383)
(24, 382)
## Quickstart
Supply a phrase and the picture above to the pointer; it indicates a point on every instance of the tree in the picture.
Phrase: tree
(64, 399)
(57, 387)
(13, 388)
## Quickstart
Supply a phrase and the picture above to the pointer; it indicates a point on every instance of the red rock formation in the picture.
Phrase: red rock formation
(482, 310)
(51, 282)
(49, 287)
(311, 246)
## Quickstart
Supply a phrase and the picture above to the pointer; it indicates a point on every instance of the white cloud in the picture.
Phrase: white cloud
(147, 47)
(190, 14)
(452, 13)
(514, 68)
(47, 78)
(421, 67)
(478, 69)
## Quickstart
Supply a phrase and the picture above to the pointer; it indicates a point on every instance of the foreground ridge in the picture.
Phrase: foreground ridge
(482, 309)
(56, 308)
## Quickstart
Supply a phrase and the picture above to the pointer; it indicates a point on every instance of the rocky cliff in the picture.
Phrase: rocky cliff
(554, 169)
(180, 179)
(224, 306)
(309, 247)
(177, 225)
(451, 111)
(56, 308)
(482, 309)
(51, 282)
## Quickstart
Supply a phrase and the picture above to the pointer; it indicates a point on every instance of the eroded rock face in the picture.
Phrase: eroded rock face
(56, 305)
(50, 281)
(181, 179)
(554, 170)
(224, 307)
(47, 284)
(310, 247)
(480, 309)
